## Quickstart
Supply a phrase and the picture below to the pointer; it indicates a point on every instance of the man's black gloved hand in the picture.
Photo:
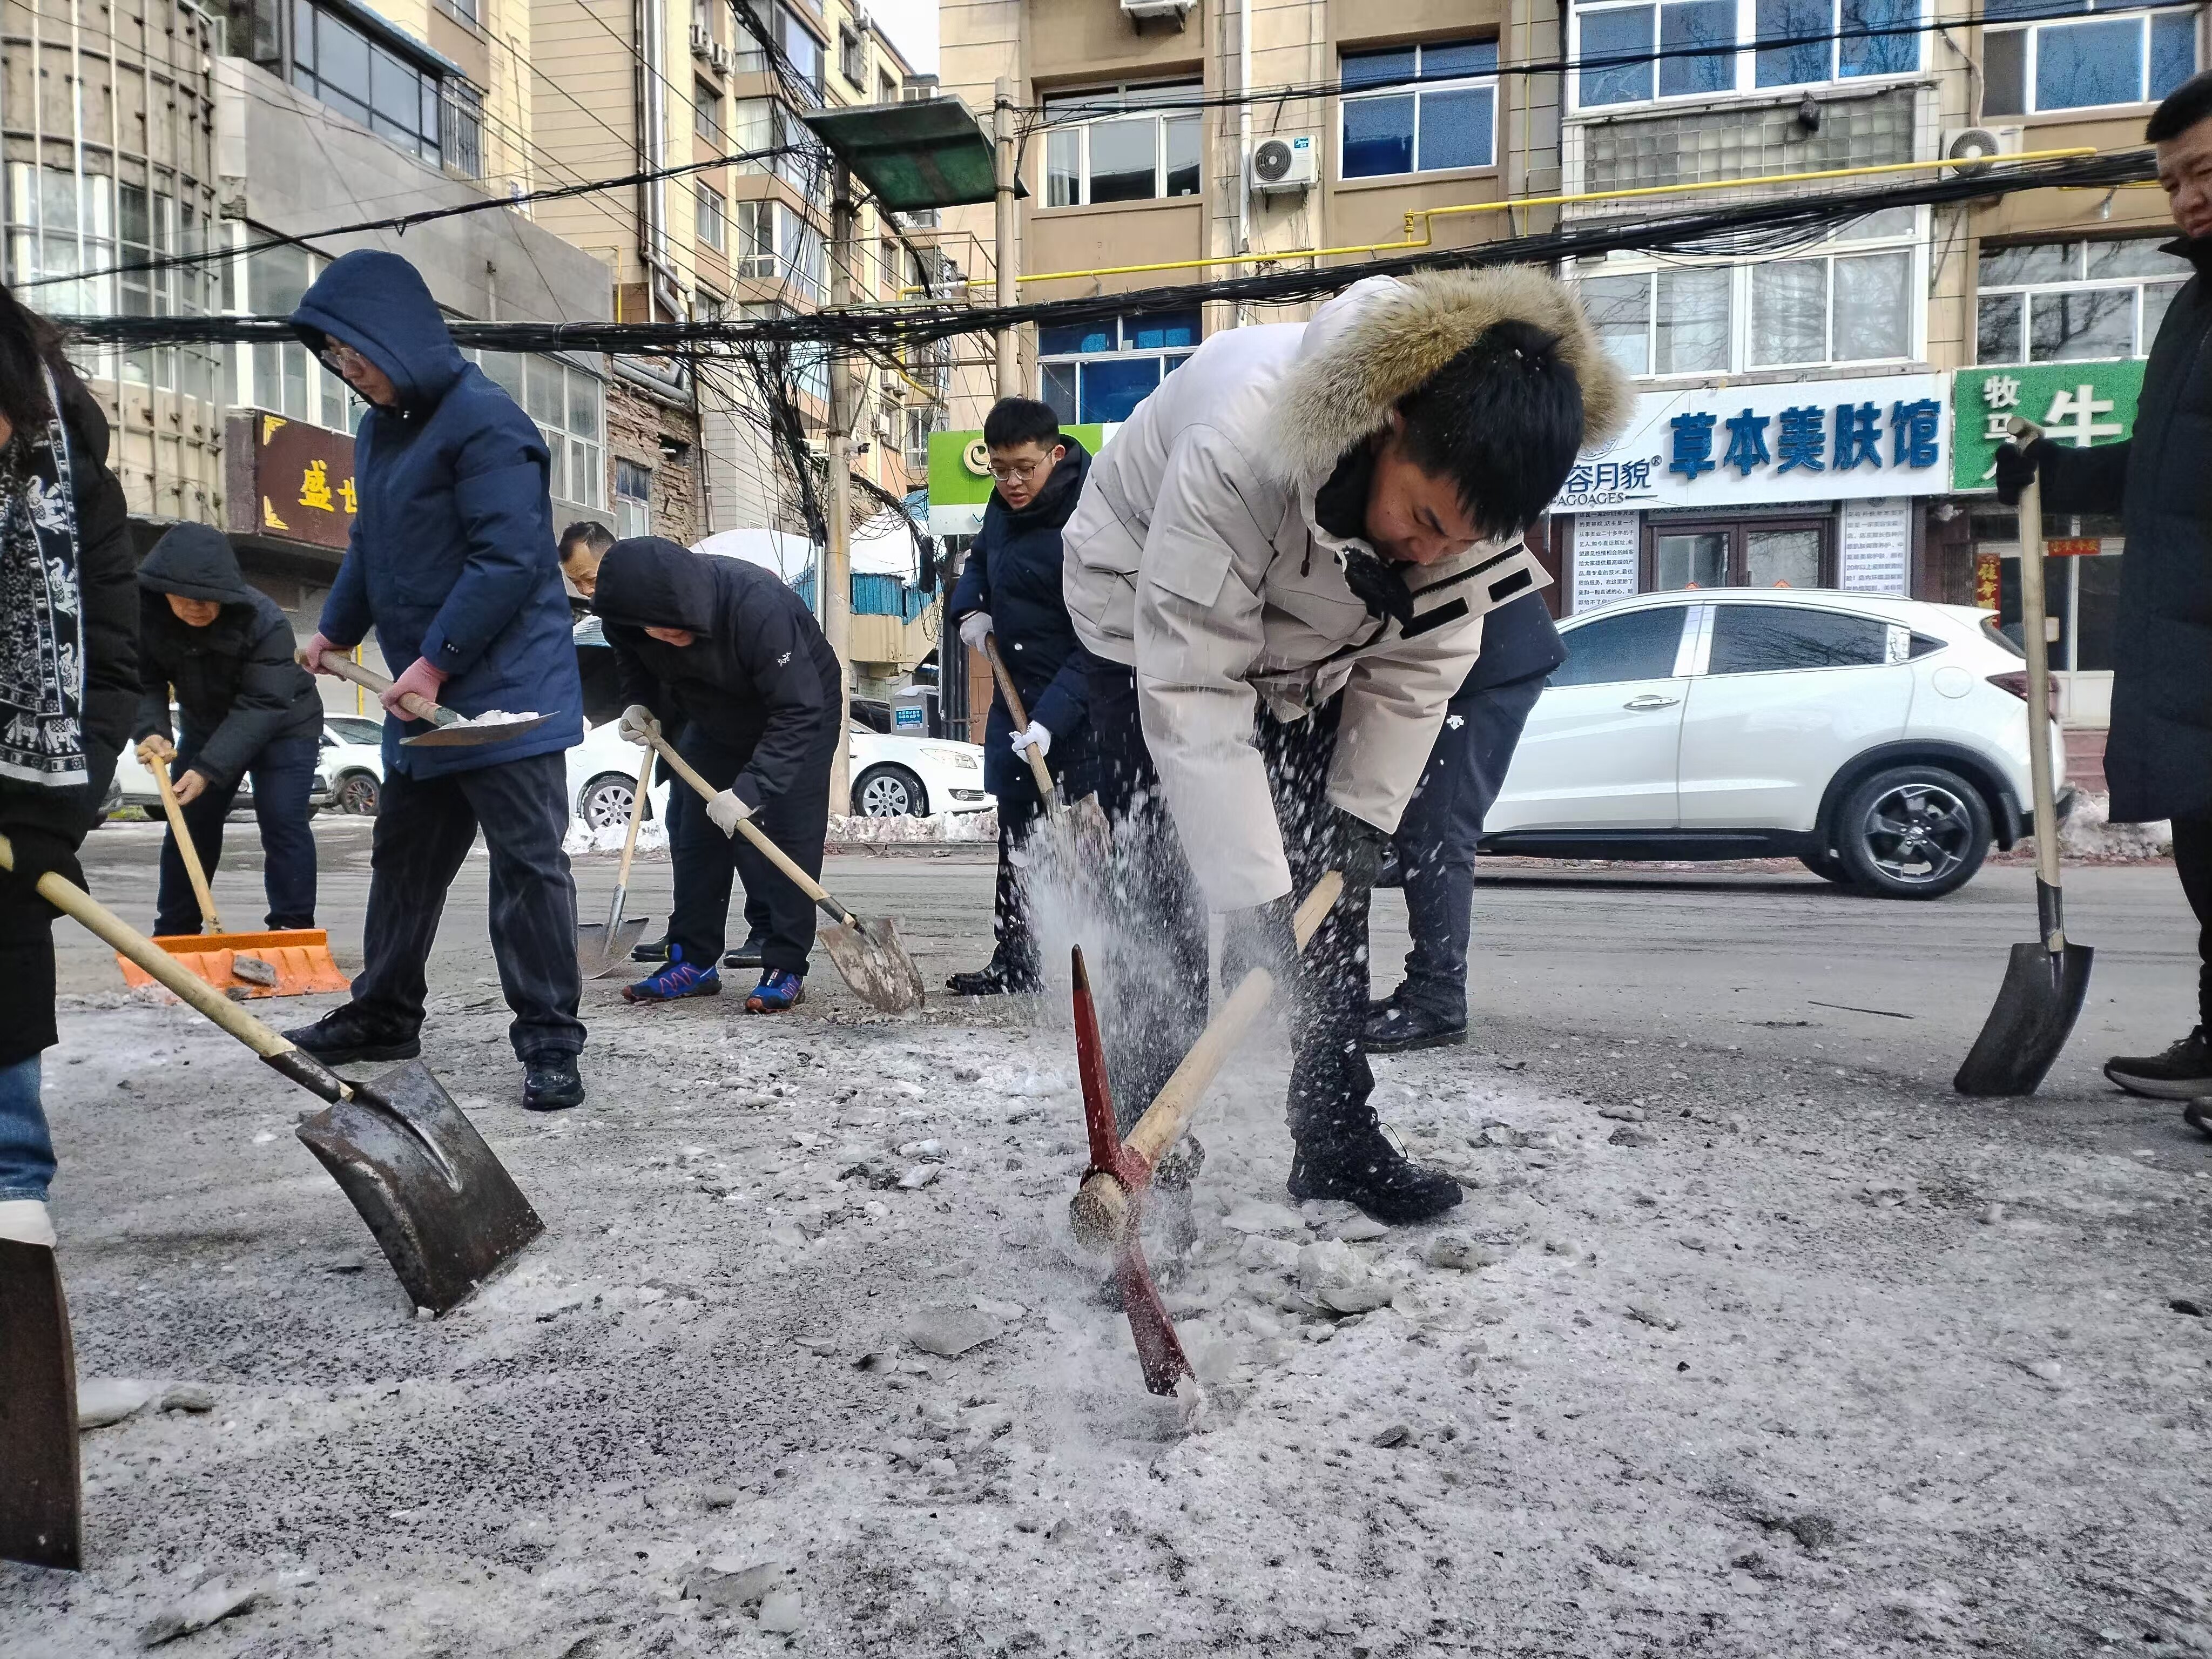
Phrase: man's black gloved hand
(1360, 850)
(38, 850)
(2017, 467)
(1260, 937)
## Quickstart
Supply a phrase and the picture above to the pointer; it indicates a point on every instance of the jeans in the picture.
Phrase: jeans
(283, 775)
(2192, 862)
(424, 829)
(707, 861)
(1436, 838)
(26, 1151)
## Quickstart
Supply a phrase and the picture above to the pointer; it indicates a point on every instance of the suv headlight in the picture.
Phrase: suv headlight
(959, 758)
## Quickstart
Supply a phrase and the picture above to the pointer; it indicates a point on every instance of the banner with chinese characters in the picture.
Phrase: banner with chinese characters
(288, 481)
(2077, 404)
(1802, 440)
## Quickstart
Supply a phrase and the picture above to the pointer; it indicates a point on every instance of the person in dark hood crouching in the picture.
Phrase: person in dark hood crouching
(452, 563)
(246, 709)
(732, 650)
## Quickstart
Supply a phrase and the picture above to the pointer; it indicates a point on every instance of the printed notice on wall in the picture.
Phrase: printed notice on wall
(1607, 548)
(1877, 544)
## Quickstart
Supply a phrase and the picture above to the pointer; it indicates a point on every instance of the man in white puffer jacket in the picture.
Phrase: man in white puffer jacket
(1280, 567)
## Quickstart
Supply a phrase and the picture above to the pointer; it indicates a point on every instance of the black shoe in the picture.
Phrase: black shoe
(1388, 873)
(1364, 1168)
(552, 1084)
(1393, 1028)
(652, 950)
(2182, 1073)
(993, 980)
(342, 1036)
(747, 955)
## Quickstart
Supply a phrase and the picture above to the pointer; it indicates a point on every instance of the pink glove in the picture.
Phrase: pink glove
(311, 654)
(423, 680)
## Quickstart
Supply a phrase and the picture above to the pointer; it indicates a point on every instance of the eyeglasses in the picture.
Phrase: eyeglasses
(1020, 470)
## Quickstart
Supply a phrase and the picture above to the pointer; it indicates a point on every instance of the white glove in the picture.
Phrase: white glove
(975, 629)
(728, 811)
(636, 722)
(1032, 736)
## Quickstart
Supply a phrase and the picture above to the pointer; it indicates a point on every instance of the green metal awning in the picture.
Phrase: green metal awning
(928, 153)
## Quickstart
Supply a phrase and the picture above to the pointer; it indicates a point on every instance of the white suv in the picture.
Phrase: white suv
(1883, 741)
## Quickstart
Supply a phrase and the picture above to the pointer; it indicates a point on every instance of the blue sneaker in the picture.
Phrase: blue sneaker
(679, 979)
(777, 992)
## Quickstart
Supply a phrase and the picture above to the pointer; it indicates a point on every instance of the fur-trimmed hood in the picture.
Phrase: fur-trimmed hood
(1384, 337)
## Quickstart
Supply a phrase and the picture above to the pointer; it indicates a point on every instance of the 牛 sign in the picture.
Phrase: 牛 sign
(288, 481)
(2078, 403)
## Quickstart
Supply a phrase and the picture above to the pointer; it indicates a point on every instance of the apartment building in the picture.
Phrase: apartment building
(157, 128)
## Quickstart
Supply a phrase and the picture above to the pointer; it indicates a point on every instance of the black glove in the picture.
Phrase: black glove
(38, 850)
(1360, 850)
(2017, 467)
(1260, 937)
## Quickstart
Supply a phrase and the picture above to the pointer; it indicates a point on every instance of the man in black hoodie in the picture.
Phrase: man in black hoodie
(730, 648)
(246, 709)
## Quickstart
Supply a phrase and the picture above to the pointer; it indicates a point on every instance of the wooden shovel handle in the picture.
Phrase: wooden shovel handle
(775, 854)
(2033, 610)
(369, 679)
(1014, 707)
(636, 815)
(125, 940)
(210, 922)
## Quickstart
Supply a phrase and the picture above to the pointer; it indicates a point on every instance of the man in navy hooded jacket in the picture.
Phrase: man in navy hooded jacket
(452, 563)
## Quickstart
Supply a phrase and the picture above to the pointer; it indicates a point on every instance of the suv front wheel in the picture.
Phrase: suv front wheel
(1912, 832)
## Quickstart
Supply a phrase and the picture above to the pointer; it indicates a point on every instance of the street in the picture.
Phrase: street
(1751, 1337)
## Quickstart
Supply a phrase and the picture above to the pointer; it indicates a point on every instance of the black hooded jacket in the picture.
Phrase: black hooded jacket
(237, 685)
(758, 675)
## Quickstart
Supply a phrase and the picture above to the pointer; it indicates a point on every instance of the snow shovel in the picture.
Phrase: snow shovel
(41, 1520)
(289, 962)
(448, 730)
(867, 953)
(1106, 1213)
(444, 1209)
(604, 946)
(1086, 819)
(2045, 982)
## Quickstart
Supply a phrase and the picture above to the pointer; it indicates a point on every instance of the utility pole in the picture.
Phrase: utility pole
(836, 587)
(1002, 122)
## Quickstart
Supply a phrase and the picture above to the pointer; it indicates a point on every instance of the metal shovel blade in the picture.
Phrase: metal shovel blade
(41, 1520)
(444, 1209)
(874, 964)
(2035, 1011)
(601, 949)
(463, 734)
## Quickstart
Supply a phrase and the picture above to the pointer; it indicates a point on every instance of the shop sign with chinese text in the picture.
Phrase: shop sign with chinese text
(2077, 404)
(288, 481)
(1804, 441)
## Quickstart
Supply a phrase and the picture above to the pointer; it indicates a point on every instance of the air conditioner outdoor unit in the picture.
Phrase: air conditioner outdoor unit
(1279, 164)
(1140, 11)
(1977, 147)
(718, 57)
(703, 43)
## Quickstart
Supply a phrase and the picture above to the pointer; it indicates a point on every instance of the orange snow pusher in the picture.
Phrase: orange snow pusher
(288, 963)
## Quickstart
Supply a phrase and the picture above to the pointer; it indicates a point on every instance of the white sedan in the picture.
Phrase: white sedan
(1883, 741)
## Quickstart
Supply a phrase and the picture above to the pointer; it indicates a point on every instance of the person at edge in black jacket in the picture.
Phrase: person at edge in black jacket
(246, 709)
(731, 650)
(69, 680)
(2158, 758)
(1011, 587)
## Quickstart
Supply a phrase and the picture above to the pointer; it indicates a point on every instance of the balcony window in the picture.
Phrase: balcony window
(794, 43)
(1664, 322)
(1098, 372)
(707, 113)
(1427, 107)
(1698, 48)
(1106, 144)
(714, 229)
(2056, 303)
(776, 245)
(2077, 55)
(569, 407)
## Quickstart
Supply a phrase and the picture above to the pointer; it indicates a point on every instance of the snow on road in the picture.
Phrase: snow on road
(805, 1363)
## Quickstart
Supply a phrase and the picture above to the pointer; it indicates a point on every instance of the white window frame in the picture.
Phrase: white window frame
(714, 220)
(1418, 89)
(633, 513)
(579, 470)
(2028, 292)
(1075, 136)
(796, 255)
(2035, 28)
(1170, 358)
(1743, 82)
(1911, 243)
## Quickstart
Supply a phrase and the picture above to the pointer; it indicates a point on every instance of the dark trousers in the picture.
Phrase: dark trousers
(707, 861)
(1436, 838)
(424, 829)
(1015, 949)
(283, 775)
(1155, 971)
(2192, 862)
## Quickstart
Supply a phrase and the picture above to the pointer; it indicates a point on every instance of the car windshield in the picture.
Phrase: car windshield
(347, 729)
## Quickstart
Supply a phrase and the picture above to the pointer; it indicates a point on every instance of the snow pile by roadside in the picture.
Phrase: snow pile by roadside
(947, 827)
(2089, 833)
(652, 838)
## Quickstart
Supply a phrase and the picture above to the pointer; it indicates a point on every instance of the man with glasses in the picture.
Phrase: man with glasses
(1011, 588)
